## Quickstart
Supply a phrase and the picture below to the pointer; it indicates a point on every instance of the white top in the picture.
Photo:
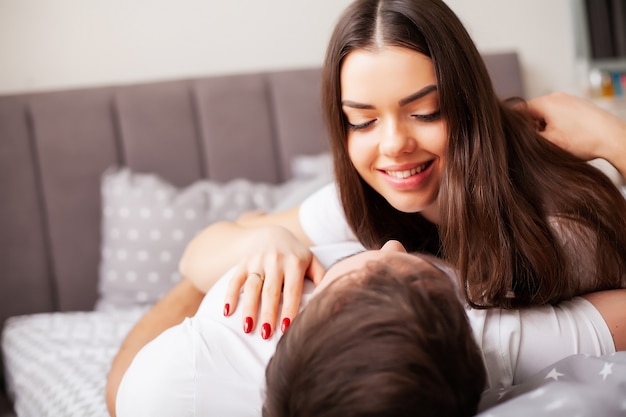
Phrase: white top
(207, 365)
(322, 218)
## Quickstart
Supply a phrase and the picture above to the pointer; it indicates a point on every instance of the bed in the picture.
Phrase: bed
(101, 188)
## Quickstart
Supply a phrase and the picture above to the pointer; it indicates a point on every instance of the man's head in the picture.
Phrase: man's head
(387, 336)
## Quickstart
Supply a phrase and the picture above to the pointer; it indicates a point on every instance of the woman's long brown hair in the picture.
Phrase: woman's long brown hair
(523, 221)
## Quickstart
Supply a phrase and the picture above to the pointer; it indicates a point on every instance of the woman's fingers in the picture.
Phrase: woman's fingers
(292, 293)
(252, 288)
(281, 262)
(272, 289)
(233, 290)
(249, 277)
(287, 280)
(292, 290)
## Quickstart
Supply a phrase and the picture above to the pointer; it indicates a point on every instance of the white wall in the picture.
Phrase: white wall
(542, 32)
(54, 44)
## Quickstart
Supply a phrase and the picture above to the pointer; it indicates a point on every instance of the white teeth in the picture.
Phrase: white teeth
(407, 173)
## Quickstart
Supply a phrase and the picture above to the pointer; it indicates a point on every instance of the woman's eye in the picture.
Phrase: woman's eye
(361, 125)
(428, 117)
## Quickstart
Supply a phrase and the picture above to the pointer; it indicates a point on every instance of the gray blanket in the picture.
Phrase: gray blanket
(577, 386)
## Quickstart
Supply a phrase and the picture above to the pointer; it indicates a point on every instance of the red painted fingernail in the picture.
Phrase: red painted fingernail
(266, 331)
(285, 324)
(226, 309)
(247, 326)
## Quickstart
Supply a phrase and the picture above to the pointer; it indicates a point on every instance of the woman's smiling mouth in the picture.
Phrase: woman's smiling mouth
(402, 174)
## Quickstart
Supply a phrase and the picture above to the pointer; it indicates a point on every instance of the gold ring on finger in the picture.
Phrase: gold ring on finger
(256, 274)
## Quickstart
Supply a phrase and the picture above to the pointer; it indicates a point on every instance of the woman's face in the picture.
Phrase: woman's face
(397, 139)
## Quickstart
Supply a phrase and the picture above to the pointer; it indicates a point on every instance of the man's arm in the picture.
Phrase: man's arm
(180, 302)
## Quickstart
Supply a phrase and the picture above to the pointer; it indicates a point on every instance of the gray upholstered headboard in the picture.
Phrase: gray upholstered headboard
(54, 146)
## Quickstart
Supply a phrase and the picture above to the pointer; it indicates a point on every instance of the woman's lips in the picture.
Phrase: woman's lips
(408, 178)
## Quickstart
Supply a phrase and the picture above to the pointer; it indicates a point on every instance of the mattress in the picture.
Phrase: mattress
(56, 363)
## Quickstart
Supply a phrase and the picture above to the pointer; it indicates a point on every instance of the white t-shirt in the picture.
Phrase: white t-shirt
(207, 365)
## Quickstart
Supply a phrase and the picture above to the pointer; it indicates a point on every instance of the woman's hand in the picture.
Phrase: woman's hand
(581, 128)
(272, 246)
(279, 263)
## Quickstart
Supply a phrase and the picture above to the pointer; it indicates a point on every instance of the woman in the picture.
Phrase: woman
(426, 154)
(455, 172)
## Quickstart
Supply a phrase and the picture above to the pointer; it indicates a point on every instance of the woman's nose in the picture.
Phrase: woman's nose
(393, 246)
(396, 140)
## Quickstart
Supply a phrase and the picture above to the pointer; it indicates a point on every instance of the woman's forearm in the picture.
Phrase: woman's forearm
(222, 245)
(212, 252)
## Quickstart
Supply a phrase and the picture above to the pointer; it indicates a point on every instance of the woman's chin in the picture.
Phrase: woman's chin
(407, 206)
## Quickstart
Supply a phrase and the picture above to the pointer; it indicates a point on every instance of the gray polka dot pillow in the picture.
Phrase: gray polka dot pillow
(147, 223)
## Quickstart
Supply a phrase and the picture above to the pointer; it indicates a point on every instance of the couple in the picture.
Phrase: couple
(426, 155)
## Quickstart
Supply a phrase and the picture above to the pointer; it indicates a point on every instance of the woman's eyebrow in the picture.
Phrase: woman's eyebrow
(417, 95)
(355, 105)
(403, 102)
